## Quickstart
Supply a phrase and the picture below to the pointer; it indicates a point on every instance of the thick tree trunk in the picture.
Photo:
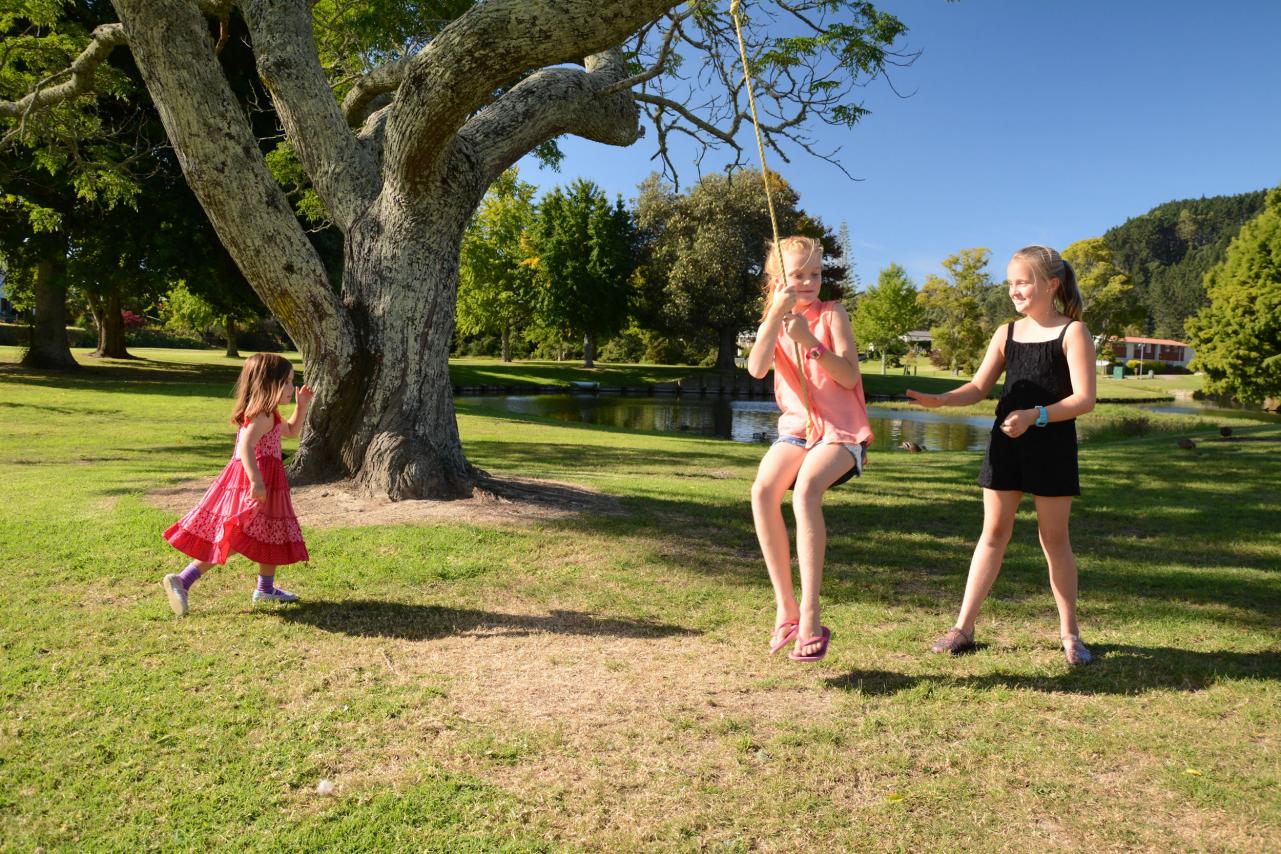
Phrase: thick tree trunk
(589, 350)
(229, 326)
(726, 348)
(389, 422)
(49, 346)
(507, 342)
(107, 316)
(401, 189)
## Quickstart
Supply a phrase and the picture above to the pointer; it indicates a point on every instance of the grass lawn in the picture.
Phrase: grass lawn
(600, 682)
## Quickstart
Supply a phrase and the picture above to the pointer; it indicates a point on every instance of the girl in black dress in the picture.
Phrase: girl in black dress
(1048, 360)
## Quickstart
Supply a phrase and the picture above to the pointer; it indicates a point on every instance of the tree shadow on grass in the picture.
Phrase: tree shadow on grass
(373, 618)
(143, 377)
(1117, 669)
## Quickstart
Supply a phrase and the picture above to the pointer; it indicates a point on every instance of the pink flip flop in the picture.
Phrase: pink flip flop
(776, 642)
(824, 638)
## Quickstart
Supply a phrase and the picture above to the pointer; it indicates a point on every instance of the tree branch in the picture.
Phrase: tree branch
(339, 167)
(220, 158)
(660, 64)
(547, 104)
(453, 76)
(360, 101)
(105, 39)
(725, 136)
(808, 58)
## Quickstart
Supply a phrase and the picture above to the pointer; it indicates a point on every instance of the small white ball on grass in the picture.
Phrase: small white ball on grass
(325, 787)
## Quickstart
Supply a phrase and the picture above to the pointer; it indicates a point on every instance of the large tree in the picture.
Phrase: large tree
(959, 333)
(1238, 336)
(887, 311)
(64, 168)
(705, 249)
(403, 160)
(1111, 303)
(496, 286)
(585, 255)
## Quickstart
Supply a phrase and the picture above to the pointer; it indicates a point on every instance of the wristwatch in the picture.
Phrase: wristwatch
(1042, 416)
(816, 352)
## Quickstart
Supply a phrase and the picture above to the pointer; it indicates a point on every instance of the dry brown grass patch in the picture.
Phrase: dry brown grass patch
(496, 500)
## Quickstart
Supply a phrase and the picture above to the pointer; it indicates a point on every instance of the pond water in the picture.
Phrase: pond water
(739, 420)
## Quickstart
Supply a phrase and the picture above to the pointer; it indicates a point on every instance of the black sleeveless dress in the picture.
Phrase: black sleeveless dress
(1043, 460)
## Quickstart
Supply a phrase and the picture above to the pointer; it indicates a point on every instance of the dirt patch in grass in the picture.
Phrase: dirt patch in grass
(496, 500)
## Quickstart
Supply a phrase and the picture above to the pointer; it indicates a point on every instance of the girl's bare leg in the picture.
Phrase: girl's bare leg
(999, 508)
(777, 469)
(1052, 516)
(823, 465)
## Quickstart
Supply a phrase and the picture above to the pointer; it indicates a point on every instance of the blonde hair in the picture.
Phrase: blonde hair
(262, 379)
(773, 267)
(1047, 264)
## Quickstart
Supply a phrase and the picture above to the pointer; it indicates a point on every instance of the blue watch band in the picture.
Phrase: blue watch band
(1042, 416)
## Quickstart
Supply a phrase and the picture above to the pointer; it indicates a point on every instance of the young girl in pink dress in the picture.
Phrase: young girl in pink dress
(822, 434)
(247, 509)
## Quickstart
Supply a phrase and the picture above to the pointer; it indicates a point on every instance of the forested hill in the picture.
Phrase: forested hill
(1168, 250)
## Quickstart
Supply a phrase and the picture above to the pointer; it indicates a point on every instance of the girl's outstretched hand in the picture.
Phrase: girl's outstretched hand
(305, 394)
(929, 401)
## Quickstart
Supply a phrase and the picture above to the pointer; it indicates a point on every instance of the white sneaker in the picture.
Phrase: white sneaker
(276, 595)
(177, 593)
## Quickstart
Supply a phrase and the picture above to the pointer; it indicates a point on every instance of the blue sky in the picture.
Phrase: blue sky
(1029, 122)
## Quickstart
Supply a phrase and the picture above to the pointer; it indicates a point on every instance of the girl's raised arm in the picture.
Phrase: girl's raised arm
(293, 427)
(761, 359)
(976, 389)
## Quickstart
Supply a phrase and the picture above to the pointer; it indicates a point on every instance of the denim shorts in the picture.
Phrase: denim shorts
(859, 452)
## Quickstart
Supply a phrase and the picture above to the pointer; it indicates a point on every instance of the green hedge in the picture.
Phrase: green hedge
(19, 335)
(1154, 366)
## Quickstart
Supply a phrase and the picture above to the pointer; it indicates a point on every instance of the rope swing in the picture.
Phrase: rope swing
(769, 201)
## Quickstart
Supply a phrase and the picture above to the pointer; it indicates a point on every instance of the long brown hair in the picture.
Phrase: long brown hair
(261, 381)
(773, 269)
(1047, 264)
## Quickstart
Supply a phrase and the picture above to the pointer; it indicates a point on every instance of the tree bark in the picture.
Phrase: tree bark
(589, 349)
(726, 348)
(107, 316)
(395, 431)
(49, 347)
(507, 341)
(229, 326)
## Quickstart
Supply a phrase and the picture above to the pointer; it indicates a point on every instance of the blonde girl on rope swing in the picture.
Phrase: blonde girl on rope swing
(823, 431)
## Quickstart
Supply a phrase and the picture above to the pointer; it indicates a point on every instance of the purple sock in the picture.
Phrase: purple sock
(189, 576)
(266, 583)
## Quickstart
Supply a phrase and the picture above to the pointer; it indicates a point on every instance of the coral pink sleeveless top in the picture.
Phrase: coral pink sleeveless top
(838, 414)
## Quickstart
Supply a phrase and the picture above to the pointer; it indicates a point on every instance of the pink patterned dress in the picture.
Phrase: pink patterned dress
(228, 519)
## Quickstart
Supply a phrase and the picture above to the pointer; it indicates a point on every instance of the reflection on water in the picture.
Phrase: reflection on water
(740, 420)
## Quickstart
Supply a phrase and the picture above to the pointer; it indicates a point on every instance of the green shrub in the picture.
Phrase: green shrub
(19, 335)
(1154, 366)
(155, 336)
